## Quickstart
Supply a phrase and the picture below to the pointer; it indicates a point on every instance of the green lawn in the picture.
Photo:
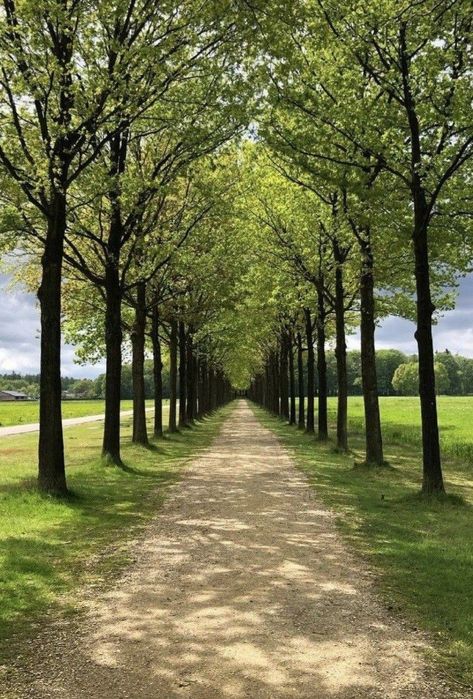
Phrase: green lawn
(401, 421)
(422, 550)
(47, 546)
(18, 413)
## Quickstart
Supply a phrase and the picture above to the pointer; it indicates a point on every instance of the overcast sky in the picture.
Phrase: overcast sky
(19, 333)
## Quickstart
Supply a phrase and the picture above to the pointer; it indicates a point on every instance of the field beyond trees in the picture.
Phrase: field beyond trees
(401, 422)
(25, 412)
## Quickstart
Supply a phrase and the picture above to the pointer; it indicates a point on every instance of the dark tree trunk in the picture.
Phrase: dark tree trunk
(432, 468)
(276, 405)
(432, 481)
(283, 378)
(51, 471)
(196, 386)
(190, 376)
(341, 351)
(201, 387)
(310, 371)
(212, 389)
(173, 377)
(140, 433)
(374, 441)
(182, 375)
(113, 317)
(205, 388)
(292, 382)
(300, 382)
(269, 386)
(113, 371)
(157, 375)
(322, 413)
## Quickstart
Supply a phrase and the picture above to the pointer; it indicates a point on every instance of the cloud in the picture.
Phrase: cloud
(20, 337)
(454, 330)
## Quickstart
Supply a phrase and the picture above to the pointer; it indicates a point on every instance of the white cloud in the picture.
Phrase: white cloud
(20, 333)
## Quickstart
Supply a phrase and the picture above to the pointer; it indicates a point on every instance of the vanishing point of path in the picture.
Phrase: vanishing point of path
(241, 587)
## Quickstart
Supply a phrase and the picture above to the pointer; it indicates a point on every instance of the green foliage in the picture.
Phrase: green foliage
(406, 379)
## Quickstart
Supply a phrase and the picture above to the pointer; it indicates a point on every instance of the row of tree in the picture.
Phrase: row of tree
(363, 190)
(114, 116)
(242, 184)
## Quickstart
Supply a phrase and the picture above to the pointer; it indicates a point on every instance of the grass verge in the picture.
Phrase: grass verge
(422, 550)
(48, 547)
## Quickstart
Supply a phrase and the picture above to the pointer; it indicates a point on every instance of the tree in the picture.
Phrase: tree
(406, 379)
(419, 65)
(57, 113)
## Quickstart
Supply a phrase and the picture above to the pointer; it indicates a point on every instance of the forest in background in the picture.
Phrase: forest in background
(454, 377)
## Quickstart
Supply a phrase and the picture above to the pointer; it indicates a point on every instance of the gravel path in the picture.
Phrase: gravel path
(241, 588)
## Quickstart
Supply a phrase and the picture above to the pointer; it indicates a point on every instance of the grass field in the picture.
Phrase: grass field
(48, 547)
(18, 413)
(422, 550)
(401, 421)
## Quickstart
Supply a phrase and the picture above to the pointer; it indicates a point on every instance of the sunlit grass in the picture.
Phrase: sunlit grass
(25, 412)
(401, 421)
(422, 549)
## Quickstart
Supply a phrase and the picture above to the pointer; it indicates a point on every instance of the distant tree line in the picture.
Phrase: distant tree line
(85, 389)
(397, 375)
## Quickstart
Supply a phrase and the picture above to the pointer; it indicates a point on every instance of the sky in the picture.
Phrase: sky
(19, 333)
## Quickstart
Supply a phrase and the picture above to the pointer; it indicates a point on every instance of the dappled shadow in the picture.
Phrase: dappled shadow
(241, 589)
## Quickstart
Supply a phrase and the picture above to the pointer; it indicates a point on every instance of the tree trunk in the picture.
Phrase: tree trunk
(190, 376)
(51, 465)
(292, 382)
(157, 375)
(113, 371)
(113, 317)
(322, 413)
(140, 433)
(201, 387)
(212, 389)
(173, 377)
(432, 481)
(310, 371)
(182, 375)
(432, 468)
(276, 405)
(283, 378)
(373, 436)
(341, 352)
(300, 383)
(196, 386)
